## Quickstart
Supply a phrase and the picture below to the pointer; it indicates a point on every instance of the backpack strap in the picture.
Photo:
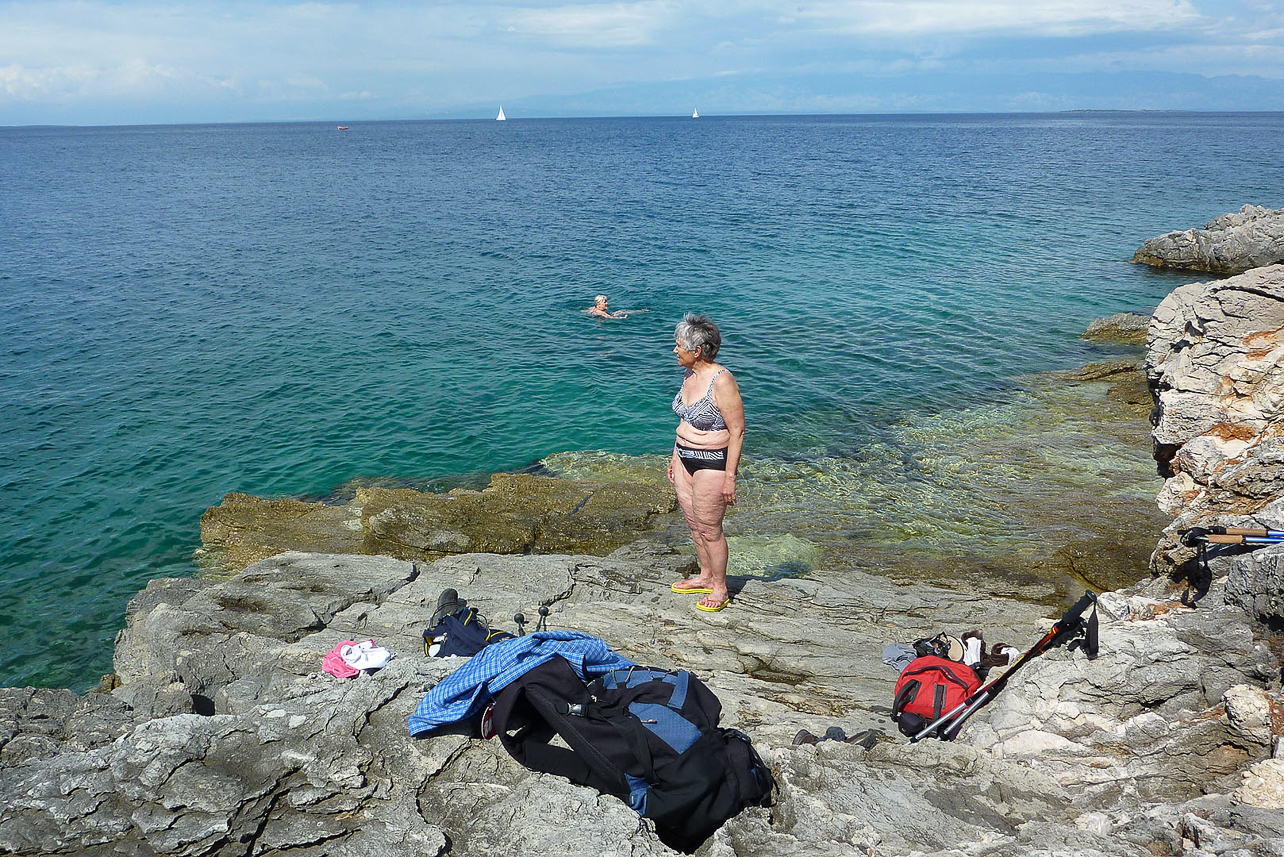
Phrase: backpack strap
(581, 763)
(905, 696)
(631, 730)
(938, 702)
(619, 714)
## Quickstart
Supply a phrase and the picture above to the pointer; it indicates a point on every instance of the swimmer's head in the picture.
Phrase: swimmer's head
(599, 301)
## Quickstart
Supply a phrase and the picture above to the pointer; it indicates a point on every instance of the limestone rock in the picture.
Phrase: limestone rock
(1230, 244)
(1255, 582)
(1263, 785)
(42, 723)
(1126, 328)
(1214, 358)
(1249, 714)
(1215, 363)
(517, 513)
(272, 756)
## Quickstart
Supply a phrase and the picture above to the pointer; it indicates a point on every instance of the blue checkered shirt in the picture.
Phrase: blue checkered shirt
(465, 692)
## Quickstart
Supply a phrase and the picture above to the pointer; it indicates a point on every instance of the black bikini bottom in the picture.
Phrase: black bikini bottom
(702, 459)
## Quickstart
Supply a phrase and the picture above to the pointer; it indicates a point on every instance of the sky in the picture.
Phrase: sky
(125, 62)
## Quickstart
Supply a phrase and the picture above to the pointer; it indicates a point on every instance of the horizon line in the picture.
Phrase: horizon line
(685, 116)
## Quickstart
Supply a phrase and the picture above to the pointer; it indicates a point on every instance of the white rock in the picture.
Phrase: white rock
(1263, 785)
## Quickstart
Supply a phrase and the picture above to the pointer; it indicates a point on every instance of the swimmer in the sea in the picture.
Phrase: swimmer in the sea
(600, 309)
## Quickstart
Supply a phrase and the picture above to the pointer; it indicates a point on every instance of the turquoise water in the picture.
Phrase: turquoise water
(282, 309)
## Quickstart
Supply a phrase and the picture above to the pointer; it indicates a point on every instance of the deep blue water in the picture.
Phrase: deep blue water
(283, 308)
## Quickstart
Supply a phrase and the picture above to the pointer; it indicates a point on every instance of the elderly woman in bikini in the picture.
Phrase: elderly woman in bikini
(706, 454)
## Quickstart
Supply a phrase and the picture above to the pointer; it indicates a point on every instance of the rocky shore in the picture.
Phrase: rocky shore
(1233, 243)
(220, 734)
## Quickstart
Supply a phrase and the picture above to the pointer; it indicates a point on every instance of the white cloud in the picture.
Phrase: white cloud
(26, 84)
(1030, 17)
(130, 79)
(597, 25)
(1208, 60)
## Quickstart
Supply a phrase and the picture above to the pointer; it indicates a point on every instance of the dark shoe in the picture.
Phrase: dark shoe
(866, 739)
(448, 604)
(805, 737)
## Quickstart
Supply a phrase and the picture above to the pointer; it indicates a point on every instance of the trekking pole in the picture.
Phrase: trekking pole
(949, 725)
(1239, 539)
(1265, 534)
(1200, 536)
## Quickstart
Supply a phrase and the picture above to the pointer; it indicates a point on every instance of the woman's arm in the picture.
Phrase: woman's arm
(726, 395)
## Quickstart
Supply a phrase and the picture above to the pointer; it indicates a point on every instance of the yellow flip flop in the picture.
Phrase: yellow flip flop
(694, 590)
(701, 606)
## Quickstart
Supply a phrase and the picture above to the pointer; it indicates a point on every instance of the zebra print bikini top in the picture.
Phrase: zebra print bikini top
(702, 413)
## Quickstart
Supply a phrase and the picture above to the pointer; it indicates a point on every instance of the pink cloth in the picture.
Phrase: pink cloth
(335, 665)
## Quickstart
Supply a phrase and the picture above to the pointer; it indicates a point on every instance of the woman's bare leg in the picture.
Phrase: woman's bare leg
(708, 507)
(683, 484)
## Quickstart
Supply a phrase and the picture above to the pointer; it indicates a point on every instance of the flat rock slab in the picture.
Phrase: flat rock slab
(517, 513)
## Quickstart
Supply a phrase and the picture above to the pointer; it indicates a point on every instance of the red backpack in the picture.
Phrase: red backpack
(928, 688)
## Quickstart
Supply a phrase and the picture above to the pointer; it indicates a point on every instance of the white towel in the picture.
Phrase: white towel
(365, 656)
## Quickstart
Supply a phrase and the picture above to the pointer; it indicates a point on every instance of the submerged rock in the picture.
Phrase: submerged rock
(1126, 328)
(1230, 244)
(1012, 499)
(517, 513)
(243, 530)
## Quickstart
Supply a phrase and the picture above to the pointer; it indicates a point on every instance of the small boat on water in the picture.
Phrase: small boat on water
(501, 117)
(343, 128)
(695, 114)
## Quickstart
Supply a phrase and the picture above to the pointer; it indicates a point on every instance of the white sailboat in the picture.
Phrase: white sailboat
(501, 117)
(695, 114)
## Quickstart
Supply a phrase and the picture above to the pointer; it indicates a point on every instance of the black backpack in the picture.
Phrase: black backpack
(649, 737)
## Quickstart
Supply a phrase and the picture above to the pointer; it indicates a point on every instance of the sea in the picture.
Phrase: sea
(289, 310)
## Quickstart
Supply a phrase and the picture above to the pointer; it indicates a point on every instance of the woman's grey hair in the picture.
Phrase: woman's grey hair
(699, 331)
(600, 299)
